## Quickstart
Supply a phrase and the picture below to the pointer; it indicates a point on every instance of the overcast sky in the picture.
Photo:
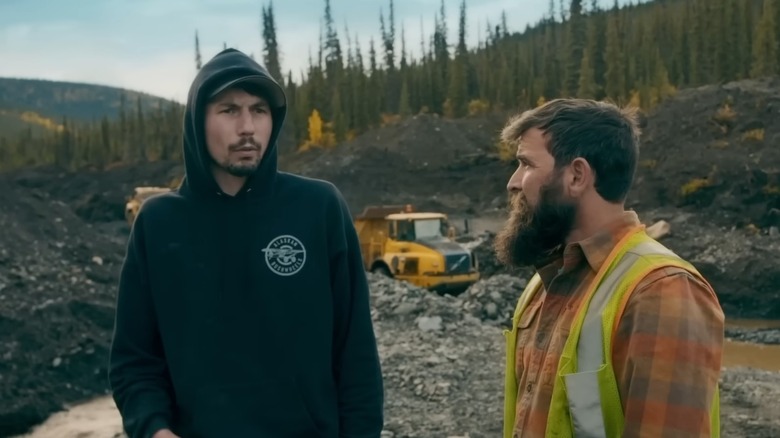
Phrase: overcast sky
(148, 45)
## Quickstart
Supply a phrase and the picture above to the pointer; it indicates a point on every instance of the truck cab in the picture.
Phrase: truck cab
(417, 247)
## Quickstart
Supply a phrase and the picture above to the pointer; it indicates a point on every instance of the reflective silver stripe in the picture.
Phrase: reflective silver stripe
(582, 386)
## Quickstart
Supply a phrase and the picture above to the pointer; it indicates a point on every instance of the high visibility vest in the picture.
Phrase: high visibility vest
(585, 399)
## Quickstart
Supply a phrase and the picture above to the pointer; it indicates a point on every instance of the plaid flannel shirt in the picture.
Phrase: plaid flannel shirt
(667, 347)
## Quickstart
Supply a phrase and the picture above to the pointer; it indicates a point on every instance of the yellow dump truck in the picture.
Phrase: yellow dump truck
(140, 194)
(417, 247)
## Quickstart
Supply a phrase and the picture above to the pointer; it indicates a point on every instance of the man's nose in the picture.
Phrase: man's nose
(246, 123)
(514, 183)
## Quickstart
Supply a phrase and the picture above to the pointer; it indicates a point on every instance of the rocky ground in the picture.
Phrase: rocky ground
(442, 359)
(445, 358)
(62, 240)
(768, 336)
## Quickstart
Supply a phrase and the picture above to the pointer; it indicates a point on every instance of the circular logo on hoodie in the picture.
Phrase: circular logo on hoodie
(285, 255)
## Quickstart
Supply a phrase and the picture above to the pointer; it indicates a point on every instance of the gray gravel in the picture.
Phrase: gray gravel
(443, 364)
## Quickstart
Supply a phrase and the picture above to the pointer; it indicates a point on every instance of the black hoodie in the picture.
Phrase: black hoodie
(247, 315)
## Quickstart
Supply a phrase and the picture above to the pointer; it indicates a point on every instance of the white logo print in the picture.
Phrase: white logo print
(285, 255)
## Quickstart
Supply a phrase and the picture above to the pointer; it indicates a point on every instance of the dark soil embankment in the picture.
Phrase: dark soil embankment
(428, 161)
(97, 195)
(715, 151)
(57, 278)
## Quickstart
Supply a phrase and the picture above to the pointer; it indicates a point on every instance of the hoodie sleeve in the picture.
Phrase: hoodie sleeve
(357, 366)
(137, 371)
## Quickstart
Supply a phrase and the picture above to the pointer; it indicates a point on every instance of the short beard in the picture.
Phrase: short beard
(530, 236)
(241, 169)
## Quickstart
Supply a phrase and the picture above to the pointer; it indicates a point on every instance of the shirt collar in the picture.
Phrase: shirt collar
(592, 250)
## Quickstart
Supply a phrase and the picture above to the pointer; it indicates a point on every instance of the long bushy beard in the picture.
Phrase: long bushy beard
(530, 235)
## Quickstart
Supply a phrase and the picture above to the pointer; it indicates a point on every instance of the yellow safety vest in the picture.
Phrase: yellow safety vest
(585, 398)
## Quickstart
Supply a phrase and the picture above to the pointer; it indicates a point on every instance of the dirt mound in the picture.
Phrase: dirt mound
(428, 141)
(428, 161)
(97, 195)
(740, 264)
(57, 275)
(716, 150)
(424, 141)
(494, 299)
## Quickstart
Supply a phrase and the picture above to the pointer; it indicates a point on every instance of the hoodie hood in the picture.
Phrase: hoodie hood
(227, 66)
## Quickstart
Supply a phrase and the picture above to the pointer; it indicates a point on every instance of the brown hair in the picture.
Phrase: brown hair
(606, 136)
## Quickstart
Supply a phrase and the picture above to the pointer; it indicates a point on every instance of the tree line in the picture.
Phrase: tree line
(634, 54)
(135, 135)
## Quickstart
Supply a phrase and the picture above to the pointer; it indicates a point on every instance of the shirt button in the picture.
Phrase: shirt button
(529, 387)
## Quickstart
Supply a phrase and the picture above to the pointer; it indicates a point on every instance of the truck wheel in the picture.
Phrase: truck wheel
(382, 270)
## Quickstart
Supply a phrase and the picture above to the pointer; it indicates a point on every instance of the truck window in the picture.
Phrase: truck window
(428, 228)
(406, 231)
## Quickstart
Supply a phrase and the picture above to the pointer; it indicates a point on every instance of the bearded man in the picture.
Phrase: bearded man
(614, 335)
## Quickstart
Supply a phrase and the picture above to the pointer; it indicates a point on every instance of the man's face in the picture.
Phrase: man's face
(238, 129)
(541, 215)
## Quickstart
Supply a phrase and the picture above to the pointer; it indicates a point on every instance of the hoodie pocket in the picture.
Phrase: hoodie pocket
(272, 408)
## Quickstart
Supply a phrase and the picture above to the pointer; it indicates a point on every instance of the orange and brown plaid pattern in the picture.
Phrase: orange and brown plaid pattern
(667, 347)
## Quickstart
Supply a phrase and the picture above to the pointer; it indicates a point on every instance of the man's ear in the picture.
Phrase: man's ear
(579, 177)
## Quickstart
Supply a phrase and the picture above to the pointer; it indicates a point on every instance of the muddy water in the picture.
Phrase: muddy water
(765, 357)
(98, 418)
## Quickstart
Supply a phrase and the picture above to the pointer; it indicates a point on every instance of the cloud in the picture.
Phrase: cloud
(148, 45)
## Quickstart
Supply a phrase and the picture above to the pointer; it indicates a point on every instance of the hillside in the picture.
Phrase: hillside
(41, 105)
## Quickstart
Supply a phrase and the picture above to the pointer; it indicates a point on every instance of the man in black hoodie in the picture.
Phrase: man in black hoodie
(243, 306)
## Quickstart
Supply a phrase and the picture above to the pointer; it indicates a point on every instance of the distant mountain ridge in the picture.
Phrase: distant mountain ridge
(41, 104)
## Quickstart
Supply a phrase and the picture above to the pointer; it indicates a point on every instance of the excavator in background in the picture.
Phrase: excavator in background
(418, 247)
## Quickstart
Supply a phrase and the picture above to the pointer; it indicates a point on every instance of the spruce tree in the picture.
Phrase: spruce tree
(271, 57)
(765, 53)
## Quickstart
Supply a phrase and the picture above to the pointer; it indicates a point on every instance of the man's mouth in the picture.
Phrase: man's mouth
(246, 149)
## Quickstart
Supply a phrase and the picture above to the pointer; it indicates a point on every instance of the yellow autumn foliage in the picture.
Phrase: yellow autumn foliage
(320, 134)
